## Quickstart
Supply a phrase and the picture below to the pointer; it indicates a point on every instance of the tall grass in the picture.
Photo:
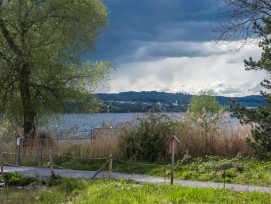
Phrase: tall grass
(221, 138)
(103, 143)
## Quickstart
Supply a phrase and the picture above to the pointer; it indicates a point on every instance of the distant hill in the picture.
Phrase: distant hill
(146, 96)
(161, 101)
(248, 101)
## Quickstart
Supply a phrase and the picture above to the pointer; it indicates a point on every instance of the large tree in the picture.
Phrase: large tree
(41, 46)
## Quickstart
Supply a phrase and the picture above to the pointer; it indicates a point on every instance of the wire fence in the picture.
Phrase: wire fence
(55, 160)
(89, 154)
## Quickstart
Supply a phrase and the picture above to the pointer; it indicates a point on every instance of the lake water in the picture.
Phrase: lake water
(82, 124)
(85, 122)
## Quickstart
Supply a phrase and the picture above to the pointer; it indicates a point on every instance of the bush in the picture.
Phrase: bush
(13, 179)
(148, 140)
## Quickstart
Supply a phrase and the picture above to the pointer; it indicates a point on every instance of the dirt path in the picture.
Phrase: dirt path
(45, 173)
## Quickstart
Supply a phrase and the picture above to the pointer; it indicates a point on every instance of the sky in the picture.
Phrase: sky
(168, 45)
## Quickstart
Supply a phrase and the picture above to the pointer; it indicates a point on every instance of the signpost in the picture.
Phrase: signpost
(173, 142)
(17, 153)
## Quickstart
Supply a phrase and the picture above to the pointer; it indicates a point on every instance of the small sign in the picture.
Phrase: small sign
(173, 141)
(18, 139)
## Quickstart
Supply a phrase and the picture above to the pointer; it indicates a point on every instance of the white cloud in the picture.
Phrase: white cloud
(170, 67)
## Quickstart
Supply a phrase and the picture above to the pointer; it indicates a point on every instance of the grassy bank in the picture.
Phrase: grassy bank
(122, 192)
(67, 190)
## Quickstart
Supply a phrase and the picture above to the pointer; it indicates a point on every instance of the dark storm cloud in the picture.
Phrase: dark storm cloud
(164, 45)
(135, 22)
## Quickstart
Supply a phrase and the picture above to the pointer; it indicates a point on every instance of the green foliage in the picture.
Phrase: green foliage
(88, 104)
(62, 190)
(259, 118)
(204, 103)
(148, 140)
(48, 197)
(17, 179)
(204, 110)
(237, 170)
(42, 43)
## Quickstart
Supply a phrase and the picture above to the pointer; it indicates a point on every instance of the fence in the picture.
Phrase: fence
(99, 142)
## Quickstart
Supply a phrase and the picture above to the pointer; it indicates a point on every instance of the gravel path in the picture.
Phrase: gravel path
(45, 173)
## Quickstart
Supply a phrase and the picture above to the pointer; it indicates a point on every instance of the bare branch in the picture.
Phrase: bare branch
(238, 17)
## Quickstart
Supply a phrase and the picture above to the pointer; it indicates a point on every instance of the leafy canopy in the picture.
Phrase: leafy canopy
(41, 43)
(204, 102)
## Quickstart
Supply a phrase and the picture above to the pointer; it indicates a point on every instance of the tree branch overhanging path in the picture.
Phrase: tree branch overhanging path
(41, 43)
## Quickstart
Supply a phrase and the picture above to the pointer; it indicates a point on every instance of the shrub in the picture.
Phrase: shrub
(148, 140)
(12, 179)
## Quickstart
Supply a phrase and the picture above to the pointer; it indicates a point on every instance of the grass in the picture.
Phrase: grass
(69, 190)
(236, 170)
(17, 196)
(123, 191)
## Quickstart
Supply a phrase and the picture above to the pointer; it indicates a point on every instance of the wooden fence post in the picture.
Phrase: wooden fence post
(110, 165)
(51, 162)
(1, 163)
(17, 153)
(40, 156)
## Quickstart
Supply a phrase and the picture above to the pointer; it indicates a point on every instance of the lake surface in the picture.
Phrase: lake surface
(86, 122)
(82, 124)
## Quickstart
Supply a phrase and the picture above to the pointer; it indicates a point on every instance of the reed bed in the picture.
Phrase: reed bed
(225, 140)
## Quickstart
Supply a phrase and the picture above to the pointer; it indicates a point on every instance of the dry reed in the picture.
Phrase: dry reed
(224, 140)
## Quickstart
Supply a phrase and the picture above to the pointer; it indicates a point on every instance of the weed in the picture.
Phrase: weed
(17, 179)
(54, 180)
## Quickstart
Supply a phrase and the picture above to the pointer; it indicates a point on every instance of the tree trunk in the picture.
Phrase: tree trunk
(29, 113)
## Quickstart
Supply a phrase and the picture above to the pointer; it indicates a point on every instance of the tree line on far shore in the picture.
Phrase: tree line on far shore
(148, 101)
